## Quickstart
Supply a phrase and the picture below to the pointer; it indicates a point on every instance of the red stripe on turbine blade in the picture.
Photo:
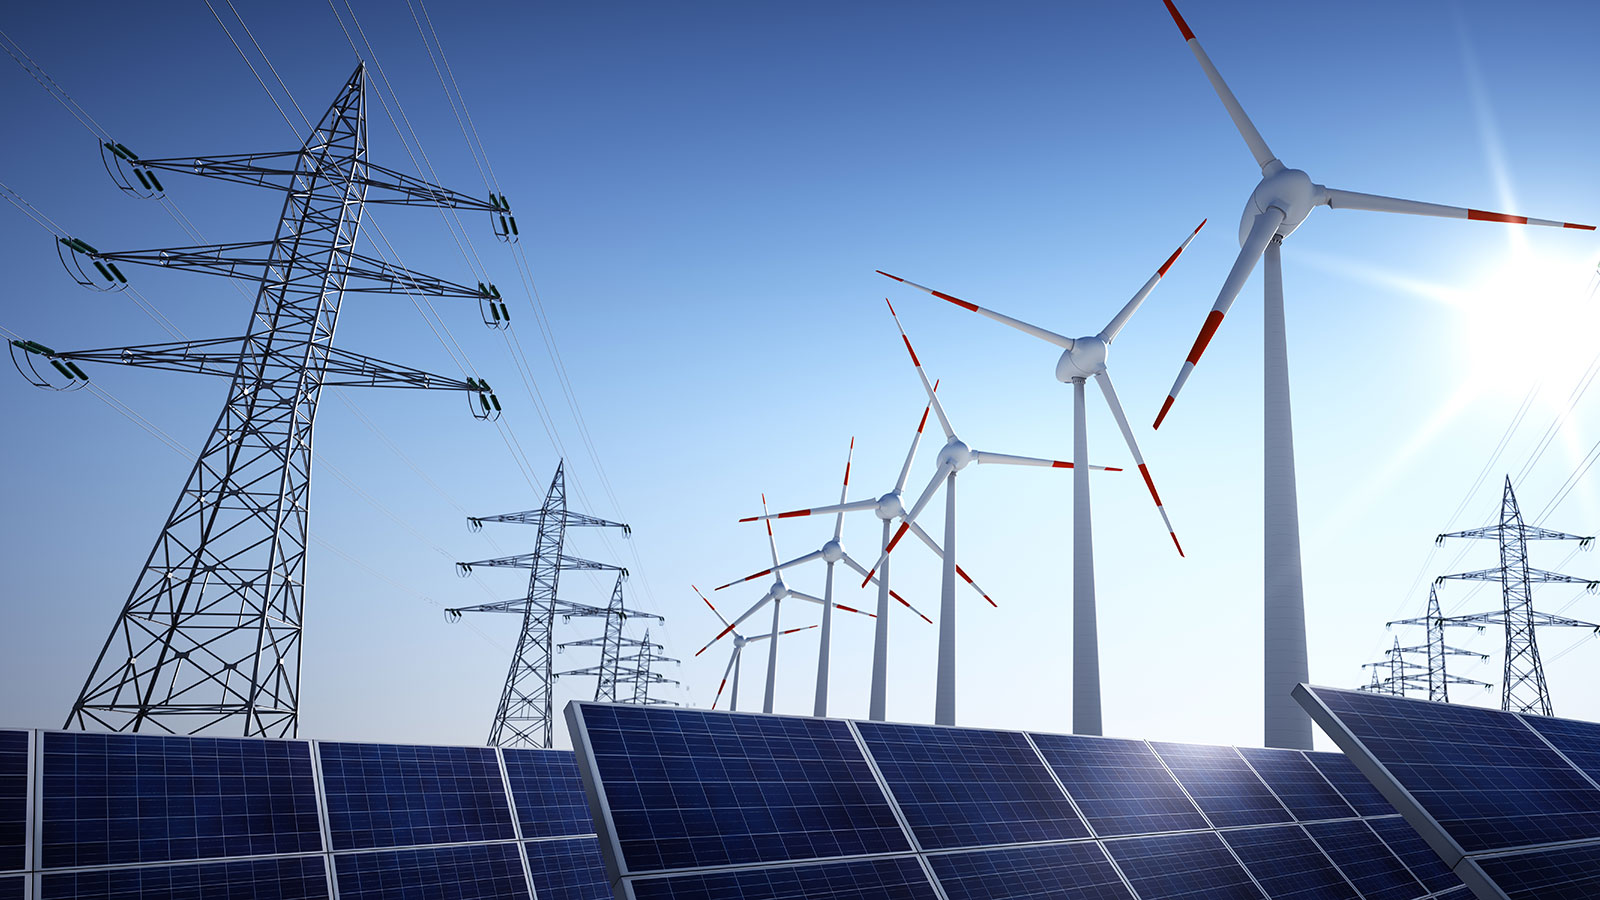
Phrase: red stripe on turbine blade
(924, 422)
(963, 573)
(751, 519)
(925, 618)
(887, 275)
(1110, 469)
(794, 512)
(1149, 484)
(1178, 17)
(1175, 542)
(969, 307)
(1165, 407)
(1161, 272)
(1204, 339)
(896, 539)
(991, 602)
(1483, 216)
(1058, 464)
(901, 599)
(914, 360)
(1579, 227)
(846, 474)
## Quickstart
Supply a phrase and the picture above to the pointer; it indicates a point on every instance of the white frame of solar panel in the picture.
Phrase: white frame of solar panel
(1465, 865)
(622, 879)
(35, 872)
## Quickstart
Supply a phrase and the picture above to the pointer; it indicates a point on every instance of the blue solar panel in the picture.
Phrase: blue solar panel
(568, 869)
(689, 788)
(126, 798)
(1486, 778)
(548, 793)
(1119, 785)
(962, 787)
(1226, 790)
(467, 872)
(1298, 784)
(1577, 741)
(1352, 785)
(12, 888)
(1415, 853)
(291, 878)
(1570, 874)
(389, 795)
(1172, 866)
(1288, 865)
(1376, 872)
(898, 878)
(1048, 872)
(13, 799)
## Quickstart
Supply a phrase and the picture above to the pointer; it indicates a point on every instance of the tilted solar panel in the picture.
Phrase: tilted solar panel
(13, 800)
(1078, 871)
(290, 878)
(547, 792)
(567, 869)
(1298, 784)
(1120, 786)
(392, 795)
(1182, 867)
(1288, 865)
(1351, 784)
(1226, 789)
(960, 787)
(1366, 860)
(1561, 874)
(463, 872)
(1425, 864)
(895, 878)
(1578, 741)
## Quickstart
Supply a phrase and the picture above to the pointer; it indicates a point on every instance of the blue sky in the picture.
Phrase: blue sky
(704, 192)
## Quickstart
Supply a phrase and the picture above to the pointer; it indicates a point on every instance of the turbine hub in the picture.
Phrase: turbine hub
(956, 455)
(1086, 359)
(1289, 190)
(739, 641)
(889, 506)
(832, 552)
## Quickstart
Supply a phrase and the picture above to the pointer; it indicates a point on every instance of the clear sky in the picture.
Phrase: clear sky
(704, 191)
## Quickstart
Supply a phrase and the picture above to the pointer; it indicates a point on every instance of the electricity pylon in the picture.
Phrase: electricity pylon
(1439, 678)
(1402, 675)
(1523, 687)
(638, 670)
(610, 643)
(210, 636)
(525, 715)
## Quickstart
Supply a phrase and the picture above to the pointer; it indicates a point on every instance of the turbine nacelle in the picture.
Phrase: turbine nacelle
(1290, 191)
(1085, 359)
(956, 455)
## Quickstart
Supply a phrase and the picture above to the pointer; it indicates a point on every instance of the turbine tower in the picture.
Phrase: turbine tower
(1277, 206)
(739, 643)
(210, 636)
(955, 456)
(1439, 678)
(1083, 358)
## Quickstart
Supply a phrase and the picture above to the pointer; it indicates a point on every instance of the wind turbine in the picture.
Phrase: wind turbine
(953, 457)
(739, 642)
(775, 595)
(832, 552)
(887, 508)
(1277, 206)
(1083, 358)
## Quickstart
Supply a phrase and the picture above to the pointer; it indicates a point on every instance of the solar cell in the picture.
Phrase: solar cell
(1486, 778)
(1287, 865)
(1577, 741)
(390, 795)
(465, 872)
(687, 788)
(1048, 872)
(1375, 871)
(126, 798)
(1172, 866)
(1351, 784)
(548, 793)
(291, 878)
(568, 869)
(1119, 785)
(13, 799)
(1568, 874)
(895, 878)
(1225, 789)
(1425, 864)
(12, 887)
(1298, 784)
(961, 787)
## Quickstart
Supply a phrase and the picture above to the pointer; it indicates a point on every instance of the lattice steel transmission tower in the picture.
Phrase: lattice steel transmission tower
(525, 715)
(1523, 688)
(1402, 674)
(610, 643)
(210, 635)
(638, 670)
(1439, 678)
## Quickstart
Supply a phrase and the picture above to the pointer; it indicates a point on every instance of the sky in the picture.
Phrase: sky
(704, 192)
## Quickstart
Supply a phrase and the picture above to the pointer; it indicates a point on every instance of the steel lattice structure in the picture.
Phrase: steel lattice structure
(1438, 677)
(1523, 687)
(211, 633)
(638, 669)
(524, 717)
(610, 643)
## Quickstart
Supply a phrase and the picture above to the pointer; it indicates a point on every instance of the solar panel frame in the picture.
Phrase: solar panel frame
(547, 795)
(357, 774)
(496, 869)
(1551, 874)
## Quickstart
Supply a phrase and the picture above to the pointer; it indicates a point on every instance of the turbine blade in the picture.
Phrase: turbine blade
(939, 552)
(839, 606)
(910, 517)
(862, 570)
(770, 635)
(1041, 333)
(1104, 380)
(838, 523)
(984, 456)
(732, 625)
(1247, 129)
(777, 568)
(731, 657)
(933, 400)
(714, 610)
(771, 541)
(1109, 333)
(1261, 231)
(817, 510)
(916, 439)
(1338, 199)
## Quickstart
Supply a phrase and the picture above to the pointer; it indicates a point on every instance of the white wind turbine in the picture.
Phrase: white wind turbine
(832, 552)
(953, 457)
(887, 508)
(775, 595)
(1277, 206)
(739, 642)
(1081, 359)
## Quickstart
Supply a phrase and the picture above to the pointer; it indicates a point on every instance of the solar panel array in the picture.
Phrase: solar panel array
(139, 817)
(1509, 803)
(741, 806)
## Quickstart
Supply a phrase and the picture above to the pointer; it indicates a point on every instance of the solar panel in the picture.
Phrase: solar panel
(13, 800)
(1351, 784)
(1425, 864)
(1562, 874)
(1364, 859)
(290, 878)
(568, 869)
(1224, 788)
(465, 872)
(126, 798)
(12, 887)
(962, 787)
(1287, 865)
(1578, 741)
(1119, 785)
(1174, 866)
(1298, 784)
(391, 795)
(548, 793)
(895, 878)
(1049, 872)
